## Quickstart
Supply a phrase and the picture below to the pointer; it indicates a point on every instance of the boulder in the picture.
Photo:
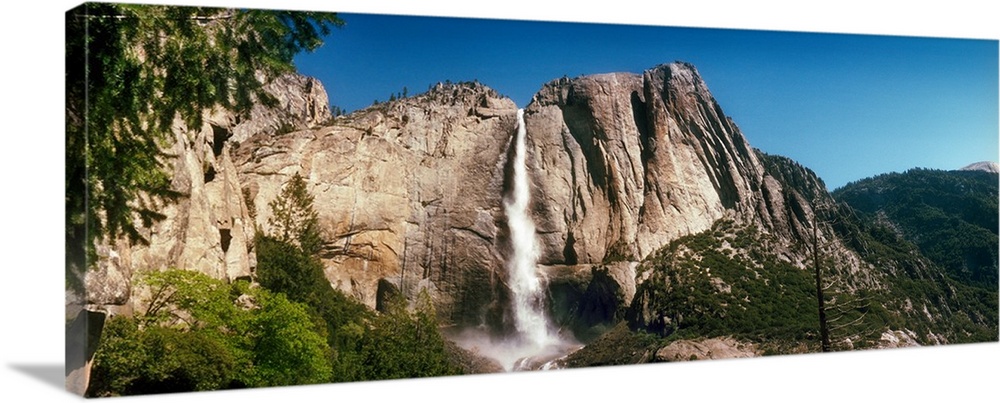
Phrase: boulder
(708, 349)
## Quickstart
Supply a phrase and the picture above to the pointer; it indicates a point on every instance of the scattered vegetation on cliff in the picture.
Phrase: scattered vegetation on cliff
(724, 282)
(729, 281)
(927, 243)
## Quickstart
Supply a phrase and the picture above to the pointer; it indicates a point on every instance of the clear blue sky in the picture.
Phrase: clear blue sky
(846, 106)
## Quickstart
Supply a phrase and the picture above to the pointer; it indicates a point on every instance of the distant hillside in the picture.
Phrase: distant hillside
(951, 216)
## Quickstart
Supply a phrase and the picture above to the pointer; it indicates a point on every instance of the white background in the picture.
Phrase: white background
(31, 143)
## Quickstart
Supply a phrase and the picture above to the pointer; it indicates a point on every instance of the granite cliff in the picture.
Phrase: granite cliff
(409, 192)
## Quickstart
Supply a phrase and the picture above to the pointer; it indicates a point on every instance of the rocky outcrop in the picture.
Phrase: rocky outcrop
(300, 103)
(897, 338)
(623, 163)
(585, 159)
(209, 228)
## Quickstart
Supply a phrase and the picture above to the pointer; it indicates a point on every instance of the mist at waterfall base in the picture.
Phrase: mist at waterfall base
(535, 343)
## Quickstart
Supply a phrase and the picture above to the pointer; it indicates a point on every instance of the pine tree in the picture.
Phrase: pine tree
(293, 218)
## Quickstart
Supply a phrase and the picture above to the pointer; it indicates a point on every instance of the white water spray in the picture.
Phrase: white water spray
(530, 319)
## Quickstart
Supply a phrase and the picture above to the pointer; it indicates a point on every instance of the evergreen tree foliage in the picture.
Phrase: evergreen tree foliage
(131, 70)
(287, 261)
(395, 344)
(293, 218)
(286, 269)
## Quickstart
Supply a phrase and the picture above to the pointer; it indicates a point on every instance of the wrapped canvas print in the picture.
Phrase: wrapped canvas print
(262, 197)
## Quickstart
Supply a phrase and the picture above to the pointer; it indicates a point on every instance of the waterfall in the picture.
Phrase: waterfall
(527, 291)
(536, 344)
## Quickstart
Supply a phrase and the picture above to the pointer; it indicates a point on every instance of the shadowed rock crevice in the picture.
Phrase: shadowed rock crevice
(577, 119)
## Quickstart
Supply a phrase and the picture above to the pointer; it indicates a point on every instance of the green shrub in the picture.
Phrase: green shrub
(404, 344)
(200, 333)
(158, 360)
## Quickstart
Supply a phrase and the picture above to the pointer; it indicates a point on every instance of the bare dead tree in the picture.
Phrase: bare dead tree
(838, 307)
(824, 332)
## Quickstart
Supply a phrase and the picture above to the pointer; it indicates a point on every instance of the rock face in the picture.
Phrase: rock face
(407, 192)
(302, 104)
(207, 230)
(622, 164)
(625, 163)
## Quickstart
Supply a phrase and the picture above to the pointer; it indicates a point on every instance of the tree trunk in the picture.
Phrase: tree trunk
(824, 333)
